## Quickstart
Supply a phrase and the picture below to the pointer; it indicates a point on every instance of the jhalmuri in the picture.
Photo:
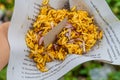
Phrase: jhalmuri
(78, 36)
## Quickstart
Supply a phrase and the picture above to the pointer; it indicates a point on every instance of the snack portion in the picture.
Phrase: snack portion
(78, 36)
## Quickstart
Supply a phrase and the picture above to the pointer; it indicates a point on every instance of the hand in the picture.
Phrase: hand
(4, 45)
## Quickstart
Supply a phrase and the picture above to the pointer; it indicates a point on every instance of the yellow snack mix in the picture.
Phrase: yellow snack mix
(78, 36)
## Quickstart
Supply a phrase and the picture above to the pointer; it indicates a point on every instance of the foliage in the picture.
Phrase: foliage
(115, 6)
(114, 76)
(3, 74)
(7, 3)
(81, 72)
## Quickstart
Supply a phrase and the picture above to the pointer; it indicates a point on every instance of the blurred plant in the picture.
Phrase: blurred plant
(115, 6)
(114, 76)
(3, 74)
(8, 4)
(6, 9)
(81, 72)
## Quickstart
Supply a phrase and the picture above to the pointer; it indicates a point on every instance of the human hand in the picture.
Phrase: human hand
(4, 44)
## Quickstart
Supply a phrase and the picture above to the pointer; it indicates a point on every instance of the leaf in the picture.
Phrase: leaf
(74, 78)
(83, 72)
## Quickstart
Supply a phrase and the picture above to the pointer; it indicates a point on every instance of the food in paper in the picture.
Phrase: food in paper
(78, 36)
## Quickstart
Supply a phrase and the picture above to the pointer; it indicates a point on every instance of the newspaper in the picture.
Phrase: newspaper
(22, 68)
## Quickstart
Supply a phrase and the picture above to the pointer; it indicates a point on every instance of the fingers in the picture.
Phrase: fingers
(4, 45)
(4, 28)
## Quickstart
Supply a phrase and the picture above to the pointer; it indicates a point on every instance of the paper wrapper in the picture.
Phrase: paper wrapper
(22, 68)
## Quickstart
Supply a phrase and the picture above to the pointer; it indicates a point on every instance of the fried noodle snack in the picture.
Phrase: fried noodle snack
(78, 36)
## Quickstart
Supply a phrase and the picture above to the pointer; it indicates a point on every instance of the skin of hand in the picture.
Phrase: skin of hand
(4, 45)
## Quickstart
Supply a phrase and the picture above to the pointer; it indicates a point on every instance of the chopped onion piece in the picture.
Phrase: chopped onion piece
(68, 34)
(69, 26)
(52, 25)
(83, 44)
(40, 32)
(55, 46)
(41, 40)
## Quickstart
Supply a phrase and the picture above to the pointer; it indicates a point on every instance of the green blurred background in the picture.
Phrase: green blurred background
(81, 72)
